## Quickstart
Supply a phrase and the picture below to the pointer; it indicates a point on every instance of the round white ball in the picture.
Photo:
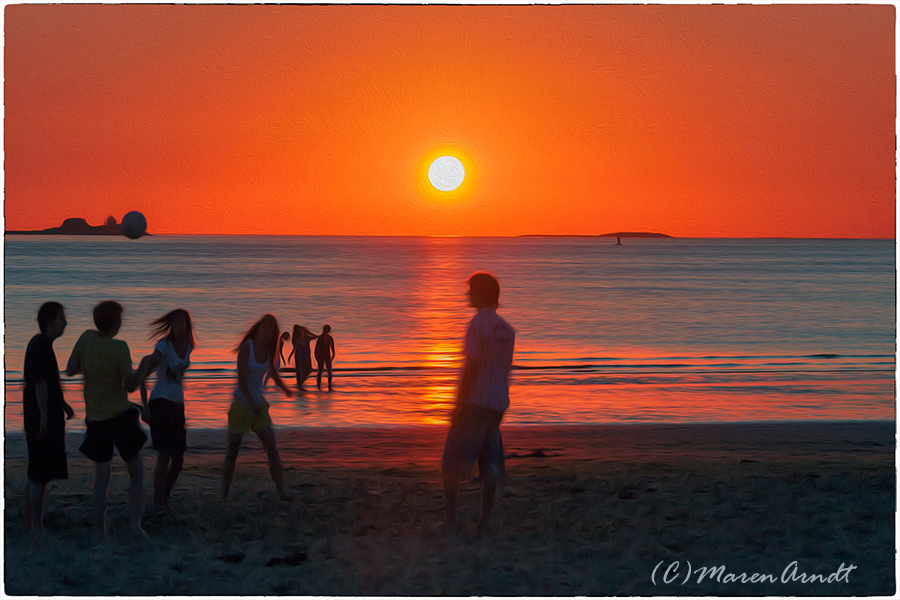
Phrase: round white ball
(134, 225)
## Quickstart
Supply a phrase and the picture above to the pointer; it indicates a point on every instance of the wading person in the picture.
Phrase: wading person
(302, 357)
(325, 354)
(110, 418)
(43, 408)
(482, 398)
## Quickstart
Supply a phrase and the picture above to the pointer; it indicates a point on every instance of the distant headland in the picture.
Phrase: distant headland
(635, 234)
(624, 234)
(78, 226)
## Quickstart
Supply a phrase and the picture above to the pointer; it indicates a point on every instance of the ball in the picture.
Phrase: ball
(134, 225)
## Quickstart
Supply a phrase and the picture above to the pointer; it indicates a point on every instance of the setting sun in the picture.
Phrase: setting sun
(445, 175)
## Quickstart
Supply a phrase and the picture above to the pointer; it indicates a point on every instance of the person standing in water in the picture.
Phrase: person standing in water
(481, 401)
(256, 362)
(170, 359)
(300, 339)
(43, 408)
(325, 354)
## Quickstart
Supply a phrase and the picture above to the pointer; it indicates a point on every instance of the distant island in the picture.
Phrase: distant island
(636, 234)
(631, 234)
(77, 226)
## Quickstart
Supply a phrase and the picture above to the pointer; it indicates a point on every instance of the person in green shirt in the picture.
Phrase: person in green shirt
(110, 418)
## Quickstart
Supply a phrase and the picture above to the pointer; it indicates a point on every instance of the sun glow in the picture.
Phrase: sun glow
(445, 175)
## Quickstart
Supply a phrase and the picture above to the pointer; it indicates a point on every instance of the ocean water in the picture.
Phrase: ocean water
(657, 330)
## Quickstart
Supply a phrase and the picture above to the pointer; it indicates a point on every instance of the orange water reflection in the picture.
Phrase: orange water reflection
(441, 325)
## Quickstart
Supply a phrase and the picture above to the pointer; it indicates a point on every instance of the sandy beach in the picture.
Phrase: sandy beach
(599, 510)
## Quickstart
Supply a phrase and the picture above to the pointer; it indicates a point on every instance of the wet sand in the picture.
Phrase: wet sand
(582, 511)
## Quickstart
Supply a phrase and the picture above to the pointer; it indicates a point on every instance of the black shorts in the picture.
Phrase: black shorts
(123, 431)
(47, 458)
(167, 425)
(474, 436)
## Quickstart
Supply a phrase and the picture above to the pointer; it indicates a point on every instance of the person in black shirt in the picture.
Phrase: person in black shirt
(44, 406)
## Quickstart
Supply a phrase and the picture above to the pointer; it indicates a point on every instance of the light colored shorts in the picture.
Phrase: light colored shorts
(241, 418)
(474, 436)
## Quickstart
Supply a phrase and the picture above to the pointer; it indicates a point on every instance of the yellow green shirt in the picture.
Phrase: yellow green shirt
(105, 362)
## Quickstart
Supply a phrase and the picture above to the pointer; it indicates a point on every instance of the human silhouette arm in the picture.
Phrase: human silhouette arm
(333, 349)
(144, 402)
(466, 383)
(40, 390)
(273, 371)
(73, 367)
(133, 378)
(148, 364)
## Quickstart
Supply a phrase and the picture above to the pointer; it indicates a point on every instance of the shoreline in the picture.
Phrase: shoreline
(583, 510)
(421, 446)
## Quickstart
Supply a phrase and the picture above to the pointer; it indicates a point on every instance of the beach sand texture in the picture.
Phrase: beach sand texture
(582, 511)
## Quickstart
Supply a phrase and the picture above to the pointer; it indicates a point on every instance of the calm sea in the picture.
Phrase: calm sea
(664, 330)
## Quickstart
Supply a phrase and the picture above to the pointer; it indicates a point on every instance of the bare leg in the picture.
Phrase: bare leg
(488, 493)
(35, 499)
(160, 497)
(302, 373)
(319, 376)
(267, 437)
(329, 375)
(234, 444)
(174, 471)
(101, 485)
(450, 494)
(136, 496)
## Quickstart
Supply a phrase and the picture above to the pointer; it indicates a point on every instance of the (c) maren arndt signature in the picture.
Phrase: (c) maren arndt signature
(678, 574)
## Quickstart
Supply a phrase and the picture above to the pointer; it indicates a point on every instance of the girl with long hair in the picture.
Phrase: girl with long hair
(256, 362)
(302, 357)
(165, 410)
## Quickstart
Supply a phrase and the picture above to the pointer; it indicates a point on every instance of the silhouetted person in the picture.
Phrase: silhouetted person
(44, 407)
(302, 357)
(170, 359)
(256, 362)
(325, 354)
(110, 418)
(482, 399)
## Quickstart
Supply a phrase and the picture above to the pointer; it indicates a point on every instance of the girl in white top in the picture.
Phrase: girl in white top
(165, 411)
(256, 362)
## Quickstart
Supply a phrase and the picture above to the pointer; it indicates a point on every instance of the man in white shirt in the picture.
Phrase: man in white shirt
(482, 399)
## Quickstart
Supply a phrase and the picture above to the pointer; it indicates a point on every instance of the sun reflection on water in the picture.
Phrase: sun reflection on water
(441, 317)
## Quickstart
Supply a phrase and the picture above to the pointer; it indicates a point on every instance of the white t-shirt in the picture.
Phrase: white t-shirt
(257, 376)
(489, 342)
(170, 372)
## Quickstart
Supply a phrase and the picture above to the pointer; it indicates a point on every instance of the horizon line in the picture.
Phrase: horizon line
(412, 235)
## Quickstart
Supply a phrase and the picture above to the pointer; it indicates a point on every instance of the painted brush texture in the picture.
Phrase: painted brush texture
(725, 121)
(668, 330)
(583, 511)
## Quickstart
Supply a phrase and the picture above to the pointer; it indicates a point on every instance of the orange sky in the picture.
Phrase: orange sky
(735, 121)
